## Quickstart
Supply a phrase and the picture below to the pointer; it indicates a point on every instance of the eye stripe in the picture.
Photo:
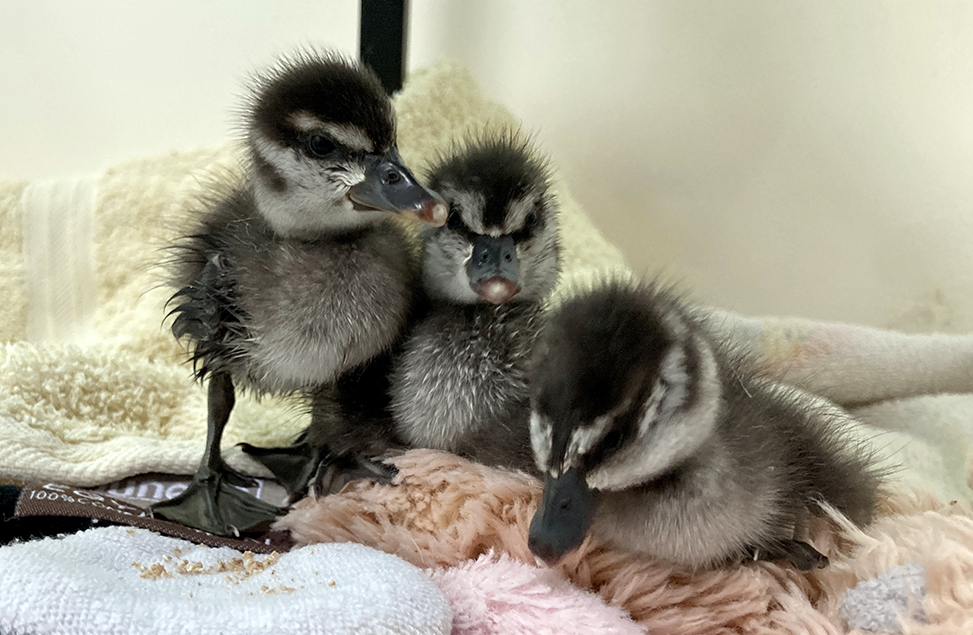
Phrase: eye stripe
(457, 225)
(540, 440)
(523, 235)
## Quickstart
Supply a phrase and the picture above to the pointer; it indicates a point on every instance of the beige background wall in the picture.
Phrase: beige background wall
(810, 158)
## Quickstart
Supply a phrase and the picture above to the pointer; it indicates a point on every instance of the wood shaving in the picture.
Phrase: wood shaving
(153, 572)
(243, 567)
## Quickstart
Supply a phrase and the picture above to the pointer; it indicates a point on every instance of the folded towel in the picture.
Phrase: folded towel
(122, 580)
(126, 581)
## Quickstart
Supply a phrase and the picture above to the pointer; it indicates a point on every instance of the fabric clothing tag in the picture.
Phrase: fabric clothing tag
(146, 489)
(52, 499)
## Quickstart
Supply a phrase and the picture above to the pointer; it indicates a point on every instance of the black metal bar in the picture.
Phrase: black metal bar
(382, 43)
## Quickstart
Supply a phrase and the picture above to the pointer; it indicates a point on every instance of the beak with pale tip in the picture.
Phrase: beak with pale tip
(389, 186)
(493, 269)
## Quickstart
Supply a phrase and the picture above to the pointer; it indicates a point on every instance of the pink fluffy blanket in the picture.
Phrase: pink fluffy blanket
(445, 511)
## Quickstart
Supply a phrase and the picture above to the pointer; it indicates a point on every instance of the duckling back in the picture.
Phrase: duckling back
(818, 460)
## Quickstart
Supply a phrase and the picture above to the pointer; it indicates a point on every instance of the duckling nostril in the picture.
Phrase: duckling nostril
(543, 549)
(538, 547)
(393, 177)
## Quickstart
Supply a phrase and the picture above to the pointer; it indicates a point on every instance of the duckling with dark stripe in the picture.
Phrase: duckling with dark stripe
(296, 276)
(654, 434)
(460, 382)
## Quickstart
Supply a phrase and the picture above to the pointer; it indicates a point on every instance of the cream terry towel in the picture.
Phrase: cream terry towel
(94, 388)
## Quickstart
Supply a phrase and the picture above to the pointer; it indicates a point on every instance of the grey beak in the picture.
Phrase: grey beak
(563, 518)
(389, 186)
(493, 268)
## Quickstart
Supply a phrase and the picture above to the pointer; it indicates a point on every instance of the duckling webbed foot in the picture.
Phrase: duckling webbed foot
(215, 503)
(803, 556)
(336, 472)
(294, 466)
(302, 465)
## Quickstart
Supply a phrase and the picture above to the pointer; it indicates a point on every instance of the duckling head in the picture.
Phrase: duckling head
(624, 390)
(323, 158)
(500, 241)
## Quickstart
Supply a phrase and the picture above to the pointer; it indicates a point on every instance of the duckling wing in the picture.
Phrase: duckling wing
(204, 313)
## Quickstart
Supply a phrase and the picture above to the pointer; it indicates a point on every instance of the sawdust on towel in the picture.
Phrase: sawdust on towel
(445, 510)
(125, 581)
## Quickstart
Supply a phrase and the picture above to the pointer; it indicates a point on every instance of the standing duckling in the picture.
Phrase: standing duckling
(657, 436)
(298, 275)
(459, 382)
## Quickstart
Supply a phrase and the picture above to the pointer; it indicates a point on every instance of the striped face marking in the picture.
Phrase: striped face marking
(346, 135)
(541, 439)
(673, 425)
(646, 433)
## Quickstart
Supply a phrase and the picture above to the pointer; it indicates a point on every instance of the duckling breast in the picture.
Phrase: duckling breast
(318, 309)
(461, 371)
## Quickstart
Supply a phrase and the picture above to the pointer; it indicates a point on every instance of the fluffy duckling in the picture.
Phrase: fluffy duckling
(657, 436)
(298, 275)
(459, 382)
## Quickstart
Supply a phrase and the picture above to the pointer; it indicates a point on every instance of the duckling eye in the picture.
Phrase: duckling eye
(531, 221)
(320, 146)
(612, 441)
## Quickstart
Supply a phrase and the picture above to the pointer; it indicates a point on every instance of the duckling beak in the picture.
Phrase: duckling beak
(389, 186)
(563, 518)
(493, 268)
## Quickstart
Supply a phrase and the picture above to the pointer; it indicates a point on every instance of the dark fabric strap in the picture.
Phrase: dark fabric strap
(41, 510)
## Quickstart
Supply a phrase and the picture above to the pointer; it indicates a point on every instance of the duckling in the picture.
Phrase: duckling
(459, 382)
(655, 435)
(298, 275)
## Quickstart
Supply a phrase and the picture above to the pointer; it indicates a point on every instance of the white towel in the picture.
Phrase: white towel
(125, 581)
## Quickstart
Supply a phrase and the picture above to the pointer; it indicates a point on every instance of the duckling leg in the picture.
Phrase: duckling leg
(213, 501)
(351, 425)
(803, 556)
(302, 465)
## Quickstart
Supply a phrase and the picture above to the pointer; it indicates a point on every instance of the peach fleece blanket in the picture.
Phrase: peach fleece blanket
(445, 510)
